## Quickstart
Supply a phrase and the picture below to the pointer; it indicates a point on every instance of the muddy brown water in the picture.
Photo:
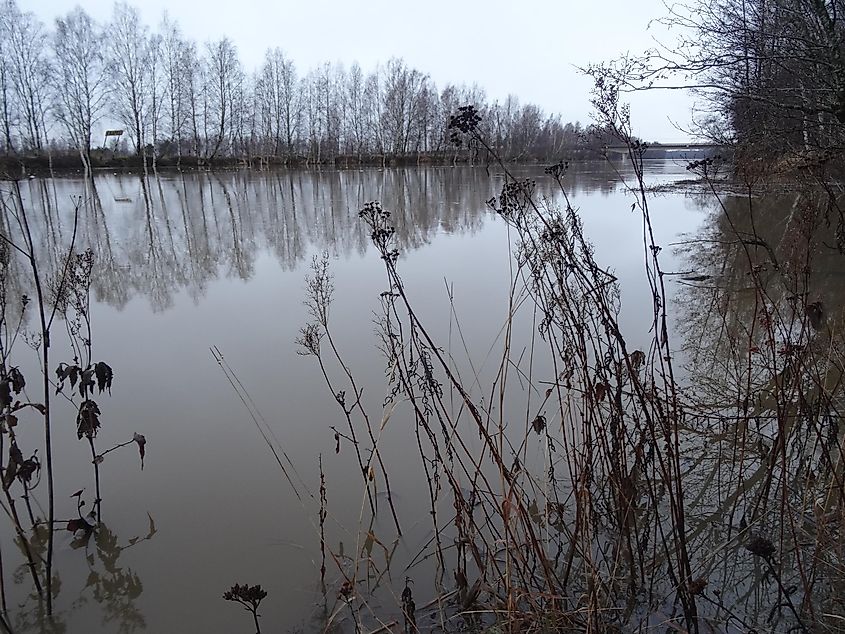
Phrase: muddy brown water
(189, 261)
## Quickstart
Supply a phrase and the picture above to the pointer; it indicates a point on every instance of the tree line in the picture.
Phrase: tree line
(177, 100)
(771, 75)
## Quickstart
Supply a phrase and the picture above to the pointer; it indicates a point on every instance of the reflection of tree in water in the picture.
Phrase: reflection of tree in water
(239, 257)
(762, 316)
(110, 273)
(32, 615)
(789, 248)
(115, 588)
(157, 234)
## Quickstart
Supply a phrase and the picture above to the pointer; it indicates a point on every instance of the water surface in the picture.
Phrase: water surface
(189, 261)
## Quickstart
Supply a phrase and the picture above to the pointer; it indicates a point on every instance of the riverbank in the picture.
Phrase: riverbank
(24, 166)
(12, 167)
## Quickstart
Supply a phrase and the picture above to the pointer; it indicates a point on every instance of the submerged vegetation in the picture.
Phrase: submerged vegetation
(62, 297)
(584, 482)
(577, 478)
(703, 497)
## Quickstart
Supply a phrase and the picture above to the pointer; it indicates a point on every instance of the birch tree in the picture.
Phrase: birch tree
(81, 88)
(224, 75)
(129, 51)
(174, 68)
(29, 71)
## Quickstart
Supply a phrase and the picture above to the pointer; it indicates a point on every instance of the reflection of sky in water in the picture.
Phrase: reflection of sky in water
(190, 261)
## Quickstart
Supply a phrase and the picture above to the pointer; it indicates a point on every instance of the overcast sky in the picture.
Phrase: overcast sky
(530, 48)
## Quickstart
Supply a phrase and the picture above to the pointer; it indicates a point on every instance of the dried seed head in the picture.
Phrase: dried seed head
(761, 547)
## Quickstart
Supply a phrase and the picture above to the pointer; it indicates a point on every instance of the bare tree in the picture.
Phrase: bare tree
(375, 120)
(129, 50)
(194, 83)
(7, 105)
(242, 116)
(771, 73)
(356, 109)
(81, 88)
(450, 100)
(156, 89)
(174, 51)
(276, 93)
(224, 74)
(322, 114)
(336, 106)
(176, 98)
(313, 112)
(29, 71)
(263, 96)
(402, 87)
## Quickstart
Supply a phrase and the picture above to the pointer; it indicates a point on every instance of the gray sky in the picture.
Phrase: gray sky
(526, 47)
